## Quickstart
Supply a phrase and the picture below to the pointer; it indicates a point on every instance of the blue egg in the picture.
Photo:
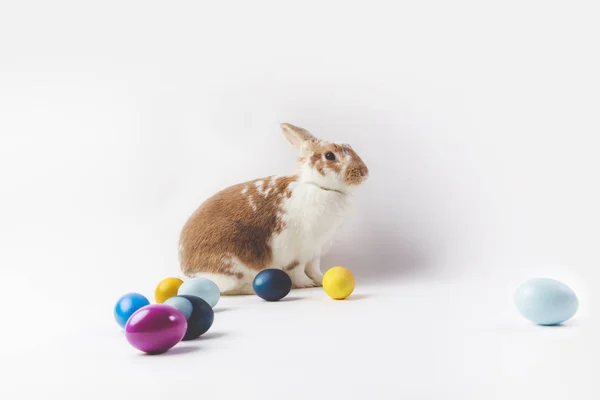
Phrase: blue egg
(127, 305)
(182, 304)
(201, 319)
(272, 284)
(203, 288)
(546, 301)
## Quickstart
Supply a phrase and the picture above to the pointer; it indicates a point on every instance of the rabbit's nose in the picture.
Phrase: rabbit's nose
(362, 171)
(357, 174)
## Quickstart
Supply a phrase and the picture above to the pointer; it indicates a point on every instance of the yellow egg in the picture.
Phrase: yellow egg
(166, 289)
(338, 283)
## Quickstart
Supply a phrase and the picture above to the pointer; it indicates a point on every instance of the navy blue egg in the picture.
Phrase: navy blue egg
(272, 284)
(201, 319)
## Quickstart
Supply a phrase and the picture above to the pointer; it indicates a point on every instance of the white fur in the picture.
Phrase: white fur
(331, 180)
(251, 202)
(260, 188)
(228, 284)
(300, 279)
(231, 284)
(312, 215)
(313, 268)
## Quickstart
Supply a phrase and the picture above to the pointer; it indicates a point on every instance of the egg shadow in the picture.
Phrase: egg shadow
(222, 309)
(173, 352)
(288, 299)
(212, 335)
(358, 297)
(566, 324)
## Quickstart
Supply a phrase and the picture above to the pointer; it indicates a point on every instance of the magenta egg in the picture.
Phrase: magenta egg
(155, 328)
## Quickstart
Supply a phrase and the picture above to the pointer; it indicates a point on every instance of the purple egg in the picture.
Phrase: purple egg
(155, 328)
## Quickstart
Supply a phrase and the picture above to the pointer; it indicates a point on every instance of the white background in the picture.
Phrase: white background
(478, 121)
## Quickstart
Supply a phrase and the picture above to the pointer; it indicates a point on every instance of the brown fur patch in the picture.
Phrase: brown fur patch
(316, 161)
(226, 226)
(291, 266)
(335, 166)
(357, 171)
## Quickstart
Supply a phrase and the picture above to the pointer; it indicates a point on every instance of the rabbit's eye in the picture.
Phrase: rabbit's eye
(330, 156)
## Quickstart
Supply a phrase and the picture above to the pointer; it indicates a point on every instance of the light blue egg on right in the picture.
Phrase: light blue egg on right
(546, 301)
(204, 288)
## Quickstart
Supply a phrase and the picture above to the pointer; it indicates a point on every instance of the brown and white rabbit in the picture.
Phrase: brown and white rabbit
(284, 222)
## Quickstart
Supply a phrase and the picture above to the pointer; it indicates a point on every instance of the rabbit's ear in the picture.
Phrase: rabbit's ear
(295, 135)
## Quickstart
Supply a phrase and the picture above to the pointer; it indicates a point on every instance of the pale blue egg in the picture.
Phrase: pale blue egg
(204, 288)
(182, 304)
(546, 301)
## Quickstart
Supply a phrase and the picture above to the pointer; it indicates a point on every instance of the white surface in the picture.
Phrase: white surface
(478, 122)
(407, 340)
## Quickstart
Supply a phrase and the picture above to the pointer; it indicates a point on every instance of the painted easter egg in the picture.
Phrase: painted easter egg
(272, 284)
(546, 301)
(166, 289)
(201, 318)
(338, 283)
(127, 305)
(203, 288)
(155, 328)
(182, 304)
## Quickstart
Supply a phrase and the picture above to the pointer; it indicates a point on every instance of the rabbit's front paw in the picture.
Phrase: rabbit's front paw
(313, 270)
(300, 279)
(318, 281)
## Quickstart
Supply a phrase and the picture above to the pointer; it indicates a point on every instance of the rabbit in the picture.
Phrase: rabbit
(284, 222)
